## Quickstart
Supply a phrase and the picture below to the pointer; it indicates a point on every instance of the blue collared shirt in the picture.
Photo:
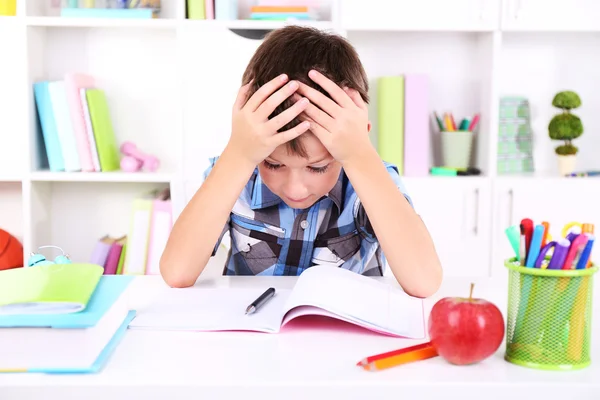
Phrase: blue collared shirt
(270, 238)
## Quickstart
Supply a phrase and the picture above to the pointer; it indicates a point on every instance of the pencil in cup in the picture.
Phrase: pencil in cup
(555, 331)
(398, 357)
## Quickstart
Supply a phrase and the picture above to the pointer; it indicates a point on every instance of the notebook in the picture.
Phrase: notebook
(109, 290)
(48, 289)
(320, 290)
(66, 350)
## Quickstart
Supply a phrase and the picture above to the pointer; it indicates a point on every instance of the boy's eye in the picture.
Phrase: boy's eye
(271, 166)
(319, 170)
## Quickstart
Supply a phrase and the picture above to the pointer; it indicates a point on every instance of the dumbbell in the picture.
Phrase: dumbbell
(135, 159)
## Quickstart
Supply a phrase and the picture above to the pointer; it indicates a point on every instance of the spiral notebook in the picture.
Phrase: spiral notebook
(319, 291)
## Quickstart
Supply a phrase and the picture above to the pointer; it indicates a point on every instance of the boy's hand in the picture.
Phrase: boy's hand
(340, 124)
(253, 135)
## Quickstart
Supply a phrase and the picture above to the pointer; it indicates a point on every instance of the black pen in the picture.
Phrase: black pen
(262, 299)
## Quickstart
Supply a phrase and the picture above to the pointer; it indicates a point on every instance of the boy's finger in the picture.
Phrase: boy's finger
(318, 98)
(286, 136)
(331, 87)
(242, 96)
(320, 117)
(356, 98)
(274, 100)
(265, 91)
(286, 116)
(319, 131)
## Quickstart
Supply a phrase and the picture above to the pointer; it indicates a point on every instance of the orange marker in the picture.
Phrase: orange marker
(546, 226)
(398, 357)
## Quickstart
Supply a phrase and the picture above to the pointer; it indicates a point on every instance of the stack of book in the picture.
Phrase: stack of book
(76, 125)
(138, 252)
(61, 318)
(281, 12)
(515, 137)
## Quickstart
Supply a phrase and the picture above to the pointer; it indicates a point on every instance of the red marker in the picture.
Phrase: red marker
(527, 225)
(474, 122)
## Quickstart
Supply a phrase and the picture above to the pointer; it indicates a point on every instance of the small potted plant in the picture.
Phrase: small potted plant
(566, 126)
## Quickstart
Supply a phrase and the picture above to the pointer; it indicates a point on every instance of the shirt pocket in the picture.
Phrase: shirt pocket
(256, 245)
(336, 250)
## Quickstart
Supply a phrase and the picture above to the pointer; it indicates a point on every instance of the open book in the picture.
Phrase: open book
(320, 290)
(54, 289)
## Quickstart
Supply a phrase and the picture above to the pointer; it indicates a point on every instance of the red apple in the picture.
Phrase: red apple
(465, 330)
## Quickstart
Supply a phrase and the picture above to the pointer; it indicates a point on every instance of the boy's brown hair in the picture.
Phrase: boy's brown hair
(295, 50)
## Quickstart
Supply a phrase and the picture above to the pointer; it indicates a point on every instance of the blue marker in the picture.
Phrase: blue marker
(535, 246)
(586, 253)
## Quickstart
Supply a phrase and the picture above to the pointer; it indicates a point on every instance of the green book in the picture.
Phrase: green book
(390, 120)
(104, 135)
(48, 289)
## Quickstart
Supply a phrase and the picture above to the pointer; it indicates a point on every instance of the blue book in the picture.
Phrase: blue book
(68, 343)
(47, 120)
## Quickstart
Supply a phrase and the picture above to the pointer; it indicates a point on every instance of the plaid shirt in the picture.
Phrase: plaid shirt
(270, 238)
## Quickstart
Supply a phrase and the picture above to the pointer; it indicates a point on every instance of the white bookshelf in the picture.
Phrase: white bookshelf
(171, 82)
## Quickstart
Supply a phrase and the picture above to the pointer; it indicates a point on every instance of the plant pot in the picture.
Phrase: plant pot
(566, 164)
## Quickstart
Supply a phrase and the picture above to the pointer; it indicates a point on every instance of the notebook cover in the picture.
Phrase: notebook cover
(209, 9)
(70, 285)
(122, 258)
(108, 151)
(137, 239)
(73, 84)
(390, 123)
(108, 290)
(416, 126)
(226, 10)
(112, 260)
(100, 362)
(196, 9)
(100, 253)
(54, 154)
(64, 127)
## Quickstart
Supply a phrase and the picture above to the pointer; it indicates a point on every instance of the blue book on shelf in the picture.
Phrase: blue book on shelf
(109, 289)
(43, 102)
(226, 10)
(137, 13)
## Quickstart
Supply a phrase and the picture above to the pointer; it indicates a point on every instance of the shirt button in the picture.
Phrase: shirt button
(246, 248)
(304, 224)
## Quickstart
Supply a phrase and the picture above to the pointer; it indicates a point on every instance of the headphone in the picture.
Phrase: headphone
(37, 259)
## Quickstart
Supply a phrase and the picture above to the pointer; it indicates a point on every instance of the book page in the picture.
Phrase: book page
(211, 309)
(359, 299)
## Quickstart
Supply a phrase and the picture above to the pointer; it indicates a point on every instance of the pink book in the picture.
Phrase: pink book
(160, 229)
(73, 84)
(417, 147)
(112, 260)
(209, 9)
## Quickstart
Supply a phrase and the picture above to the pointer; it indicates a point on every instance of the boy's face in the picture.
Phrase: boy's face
(300, 181)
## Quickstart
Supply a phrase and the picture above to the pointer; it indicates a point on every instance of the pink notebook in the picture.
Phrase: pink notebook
(327, 292)
(73, 84)
(417, 147)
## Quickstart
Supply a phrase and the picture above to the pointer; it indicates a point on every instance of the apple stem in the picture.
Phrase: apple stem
(471, 292)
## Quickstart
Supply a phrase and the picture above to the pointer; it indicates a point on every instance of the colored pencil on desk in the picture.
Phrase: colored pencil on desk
(397, 357)
(474, 122)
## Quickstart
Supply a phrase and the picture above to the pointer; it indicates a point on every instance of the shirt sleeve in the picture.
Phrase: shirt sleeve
(362, 220)
(225, 229)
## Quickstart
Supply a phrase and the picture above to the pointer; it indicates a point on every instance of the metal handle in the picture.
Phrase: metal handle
(476, 224)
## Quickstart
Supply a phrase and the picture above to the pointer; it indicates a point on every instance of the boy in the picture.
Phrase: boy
(299, 183)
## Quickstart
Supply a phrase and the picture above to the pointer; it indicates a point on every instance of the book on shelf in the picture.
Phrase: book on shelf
(403, 133)
(150, 226)
(75, 125)
(110, 253)
(327, 293)
(69, 318)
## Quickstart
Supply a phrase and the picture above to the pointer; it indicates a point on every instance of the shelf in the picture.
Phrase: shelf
(255, 24)
(117, 176)
(101, 22)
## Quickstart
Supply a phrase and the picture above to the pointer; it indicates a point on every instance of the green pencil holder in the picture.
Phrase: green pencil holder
(549, 317)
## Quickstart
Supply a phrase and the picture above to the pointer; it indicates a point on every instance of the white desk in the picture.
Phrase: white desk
(306, 364)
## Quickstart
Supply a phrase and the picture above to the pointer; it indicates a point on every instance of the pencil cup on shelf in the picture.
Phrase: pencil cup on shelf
(549, 317)
(456, 148)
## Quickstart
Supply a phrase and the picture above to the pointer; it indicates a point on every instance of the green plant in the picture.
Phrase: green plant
(566, 126)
